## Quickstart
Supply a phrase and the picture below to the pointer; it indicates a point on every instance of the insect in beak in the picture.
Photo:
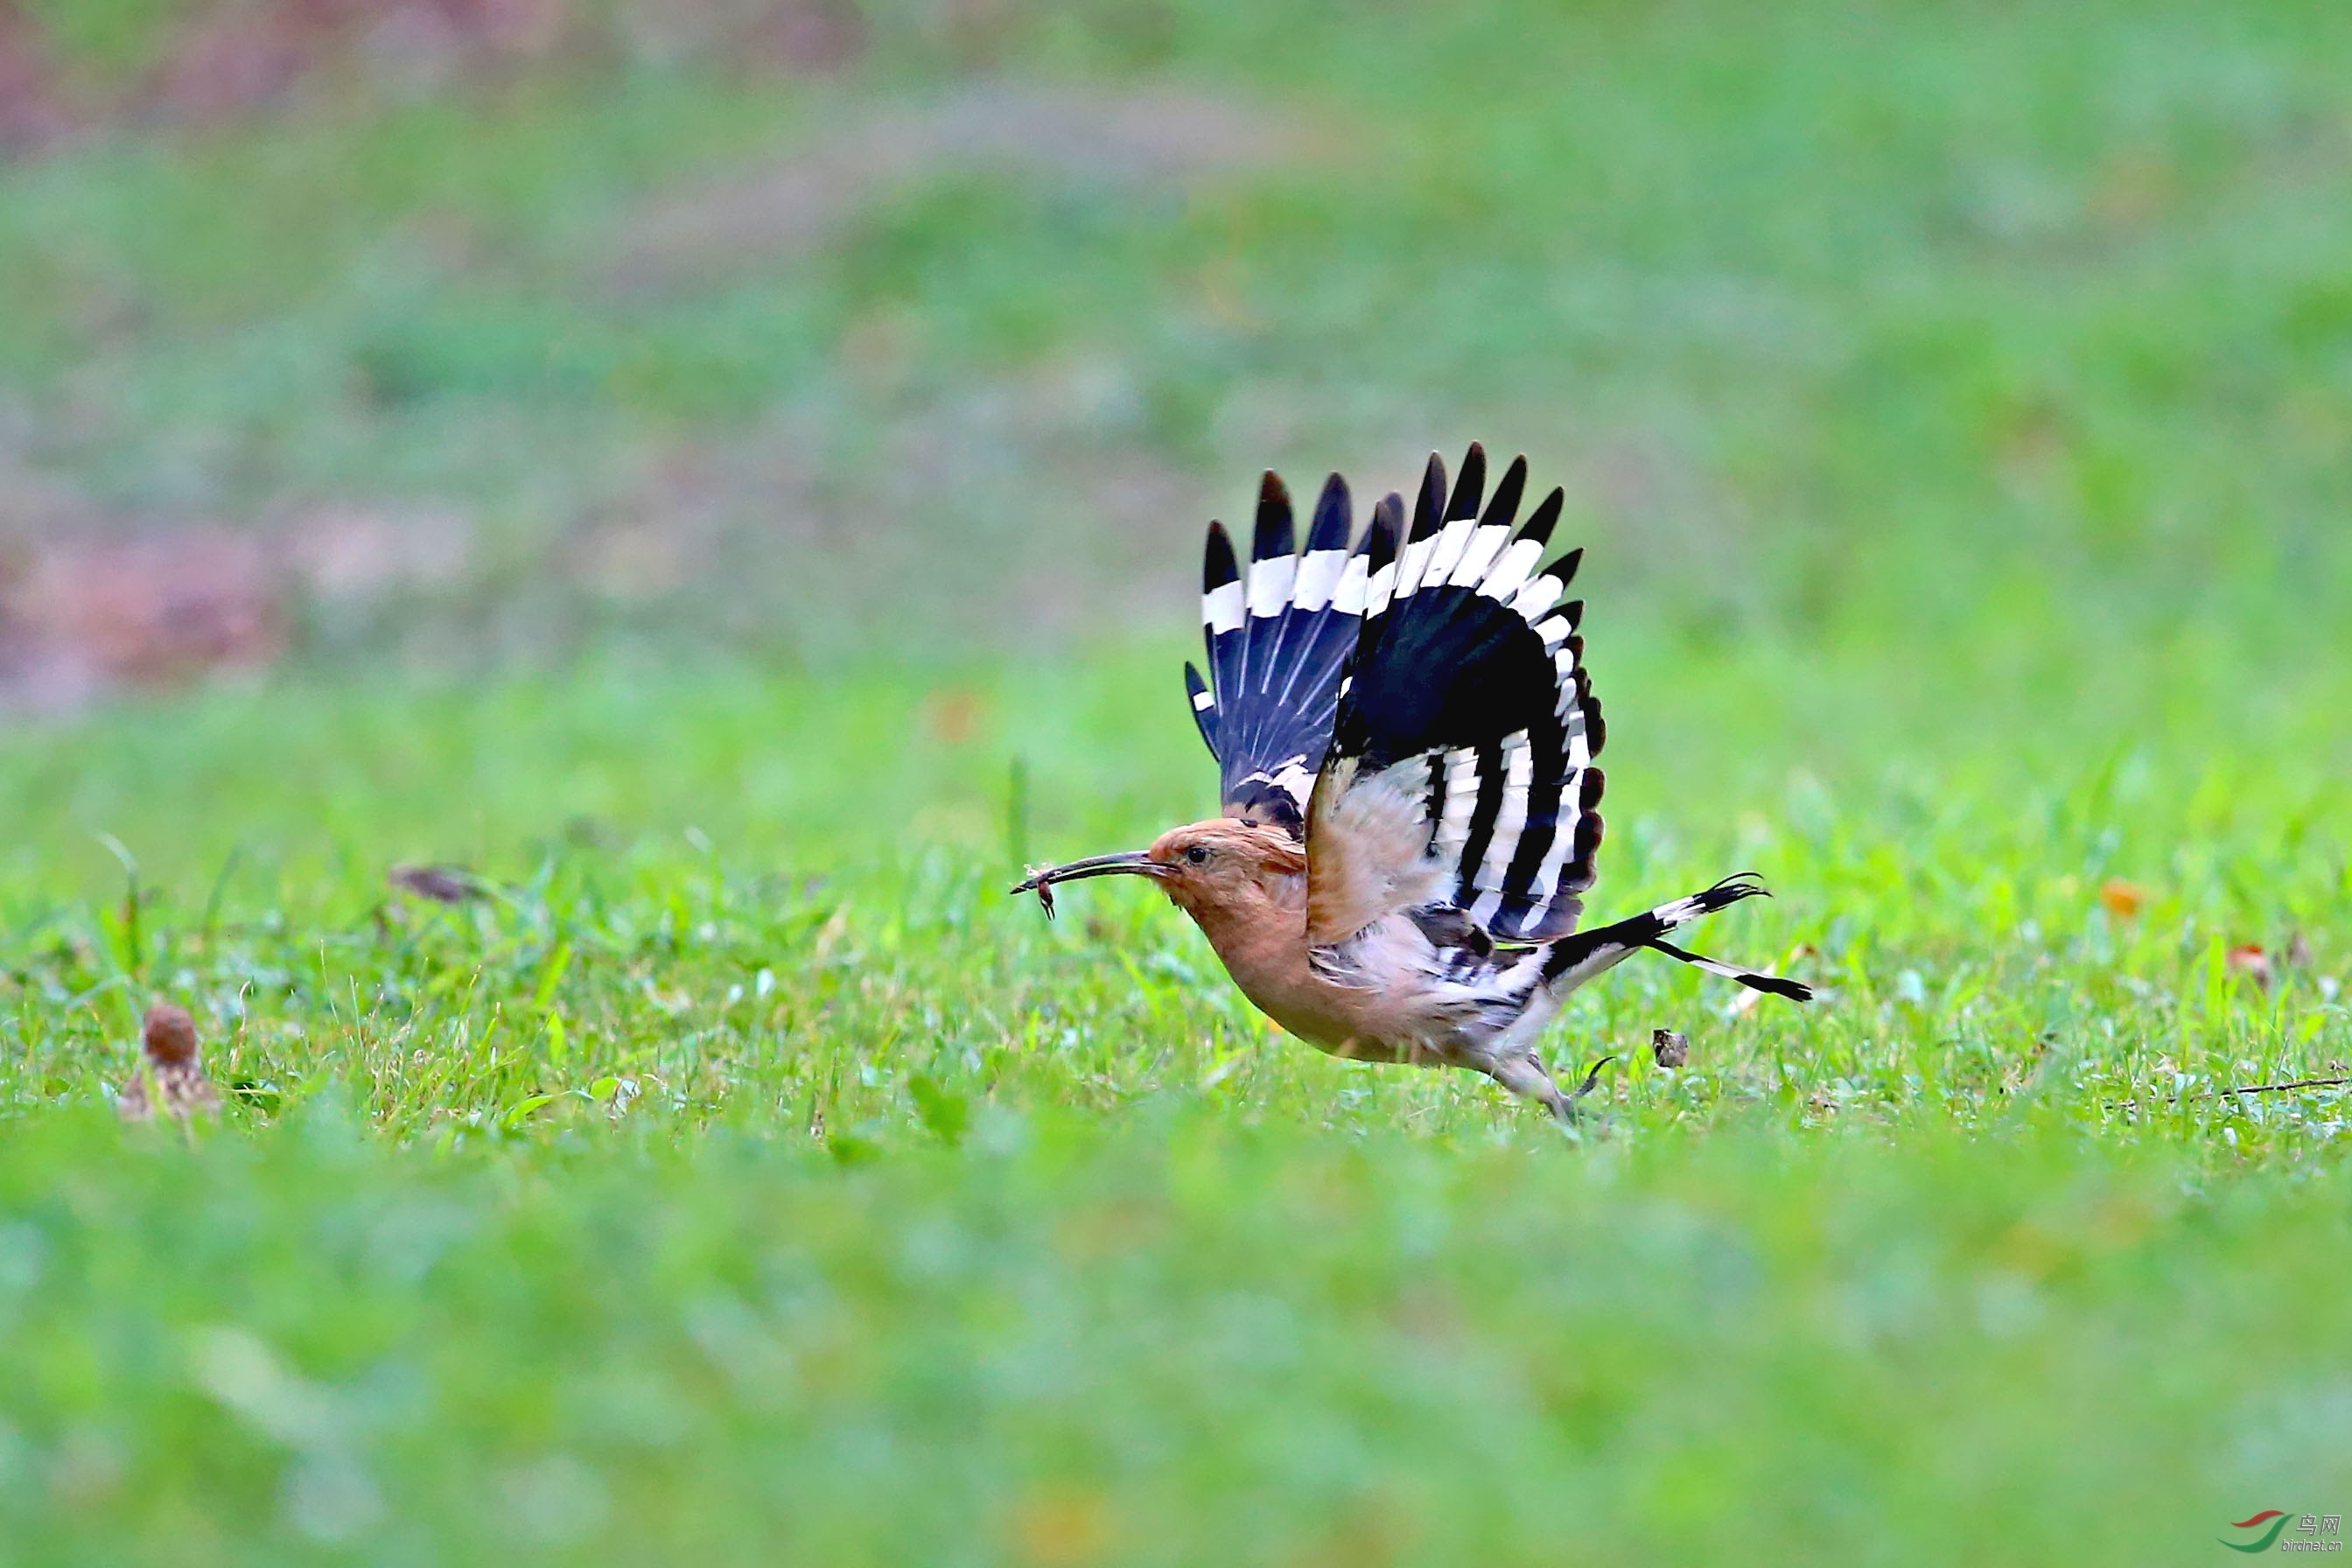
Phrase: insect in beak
(1041, 881)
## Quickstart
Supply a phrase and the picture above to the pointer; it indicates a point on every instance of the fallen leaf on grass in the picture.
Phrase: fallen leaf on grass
(1060, 1527)
(2123, 899)
(829, 935)
(953, 716)
(441, 884)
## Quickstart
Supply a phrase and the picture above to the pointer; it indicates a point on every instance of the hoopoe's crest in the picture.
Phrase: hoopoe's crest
(1406, 735)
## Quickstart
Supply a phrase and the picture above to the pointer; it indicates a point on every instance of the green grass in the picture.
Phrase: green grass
(1174, 1340)
(738, 1182)
(764, 899)
(1956, 408)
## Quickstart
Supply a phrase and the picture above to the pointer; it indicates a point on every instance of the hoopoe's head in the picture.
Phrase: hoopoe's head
(1221, 865)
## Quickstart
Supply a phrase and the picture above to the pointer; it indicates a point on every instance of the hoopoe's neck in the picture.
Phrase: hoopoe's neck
(1255, 922)
(1261, 936)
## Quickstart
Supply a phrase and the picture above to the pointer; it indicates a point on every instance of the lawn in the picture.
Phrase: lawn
(1956, 409)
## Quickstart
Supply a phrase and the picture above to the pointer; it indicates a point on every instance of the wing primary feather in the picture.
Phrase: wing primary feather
(1429, 507)
(1218, 567)
(1281, 624)
(1469, 485)
(1272, 536)
(1273, 573)
(1383, 541)
(1546, 517)
(1429, 520)
(1315, 637)
(1387, 528)
(1334, 517)
(1224, 616)
(1504, 506)
(1466, 706)
(1203, 706)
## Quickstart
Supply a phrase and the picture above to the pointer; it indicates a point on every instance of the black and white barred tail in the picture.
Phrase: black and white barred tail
(1573, 959)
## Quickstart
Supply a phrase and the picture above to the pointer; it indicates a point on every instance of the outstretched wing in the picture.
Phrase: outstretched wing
(1278, 640)
(1459, 773)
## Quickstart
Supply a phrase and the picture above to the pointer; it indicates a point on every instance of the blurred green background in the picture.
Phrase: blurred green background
(505, 328)
(730, 473)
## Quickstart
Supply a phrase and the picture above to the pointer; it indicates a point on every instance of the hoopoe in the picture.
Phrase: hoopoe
(1405, 733)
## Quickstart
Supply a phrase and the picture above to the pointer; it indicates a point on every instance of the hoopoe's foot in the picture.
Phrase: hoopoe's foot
(1526, 1076)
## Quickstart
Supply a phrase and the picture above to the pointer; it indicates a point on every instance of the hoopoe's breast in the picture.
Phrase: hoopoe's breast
(1375, 1008)
(1263, 945)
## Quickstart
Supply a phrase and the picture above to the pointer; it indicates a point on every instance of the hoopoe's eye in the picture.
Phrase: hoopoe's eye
(1198, 855)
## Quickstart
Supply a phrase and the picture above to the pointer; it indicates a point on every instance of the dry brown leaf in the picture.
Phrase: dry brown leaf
(952, 716)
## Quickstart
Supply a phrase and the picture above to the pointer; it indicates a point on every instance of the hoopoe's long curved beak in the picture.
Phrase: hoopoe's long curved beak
(1132, 862)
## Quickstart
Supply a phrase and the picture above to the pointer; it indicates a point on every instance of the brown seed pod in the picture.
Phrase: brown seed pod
(169, 1042)
(170, 1036)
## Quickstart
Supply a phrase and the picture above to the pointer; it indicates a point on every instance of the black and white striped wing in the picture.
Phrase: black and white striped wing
(1278, 638)
(1461, 768)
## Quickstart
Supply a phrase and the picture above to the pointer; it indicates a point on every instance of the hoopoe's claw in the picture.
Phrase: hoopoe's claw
(1591, 1079)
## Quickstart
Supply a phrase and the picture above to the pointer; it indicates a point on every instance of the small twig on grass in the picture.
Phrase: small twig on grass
(2242, 1089)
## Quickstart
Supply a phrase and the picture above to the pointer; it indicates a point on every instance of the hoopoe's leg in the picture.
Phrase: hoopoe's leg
(1525, 1076)
(1511, 1060)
